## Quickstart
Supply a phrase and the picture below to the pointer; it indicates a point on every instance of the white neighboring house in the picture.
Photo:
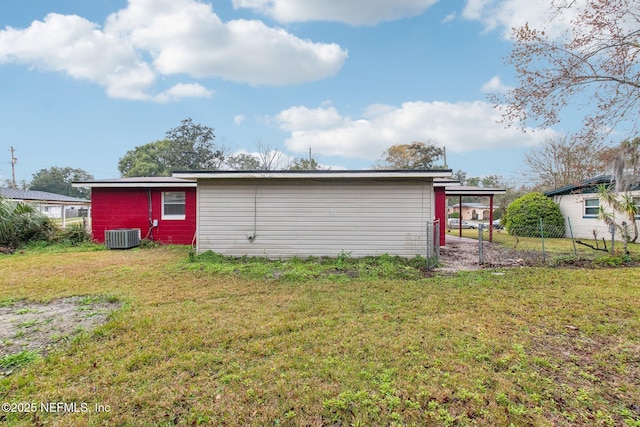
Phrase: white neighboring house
(580, 204)
(314, 213)
(56, 206)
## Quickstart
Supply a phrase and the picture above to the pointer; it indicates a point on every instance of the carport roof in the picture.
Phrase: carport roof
(467, 190)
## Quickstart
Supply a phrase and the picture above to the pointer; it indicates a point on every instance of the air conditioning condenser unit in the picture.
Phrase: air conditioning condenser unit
(123, 238)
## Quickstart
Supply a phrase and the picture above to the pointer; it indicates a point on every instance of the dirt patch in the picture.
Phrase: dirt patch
(462, 254)
(39, 327)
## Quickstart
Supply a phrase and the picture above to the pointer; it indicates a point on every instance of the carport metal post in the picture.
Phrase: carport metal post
(491, 218)
(460, 216)
(480, 236)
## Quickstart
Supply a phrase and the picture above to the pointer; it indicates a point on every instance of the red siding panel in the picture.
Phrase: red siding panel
(114, 208)
(441, 212)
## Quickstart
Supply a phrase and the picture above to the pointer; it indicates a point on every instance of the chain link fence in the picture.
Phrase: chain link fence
(433, 244)
(549, 244)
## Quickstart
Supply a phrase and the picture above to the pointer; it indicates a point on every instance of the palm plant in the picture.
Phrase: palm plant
(21, 223)
(623, 205)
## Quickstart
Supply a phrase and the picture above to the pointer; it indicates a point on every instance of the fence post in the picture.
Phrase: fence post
(480, 245)
(437, 239)
(573, 239)
(613, 238)
(428, 237)
(544, 255)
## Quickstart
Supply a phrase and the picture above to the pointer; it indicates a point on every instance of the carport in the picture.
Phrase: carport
(461, 191)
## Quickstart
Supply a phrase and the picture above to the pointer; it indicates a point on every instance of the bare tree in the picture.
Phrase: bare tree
(271, 158)
(625, 159)
(266, 158)
(564, 160)
(596, 60)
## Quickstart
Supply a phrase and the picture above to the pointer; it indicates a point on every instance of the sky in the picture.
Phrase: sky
(83, 82)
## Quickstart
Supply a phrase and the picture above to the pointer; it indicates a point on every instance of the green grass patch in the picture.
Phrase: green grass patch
(217, 341)
(18, 360)
(341, 268)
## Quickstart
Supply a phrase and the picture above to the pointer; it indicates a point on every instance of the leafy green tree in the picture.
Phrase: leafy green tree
(473, 181)
(417, 155)
(460, 176)
(302, 164)
(58, 180)
(524, 214)
(491, 181)
(189, 146)
(152, 159)
(244, 162)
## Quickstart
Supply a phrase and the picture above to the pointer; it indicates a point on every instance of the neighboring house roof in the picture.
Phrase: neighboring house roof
(316, 174)
(40, 196)
(137, 182)
(587, 186)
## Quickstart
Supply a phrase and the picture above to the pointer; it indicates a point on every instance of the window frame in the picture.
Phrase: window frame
(585, 213)
(165, 203)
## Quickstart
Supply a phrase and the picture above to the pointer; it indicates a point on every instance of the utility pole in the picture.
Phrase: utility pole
(13, 167)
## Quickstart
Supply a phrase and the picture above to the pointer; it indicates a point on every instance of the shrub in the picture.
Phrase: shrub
(523, 216)
(74, 234)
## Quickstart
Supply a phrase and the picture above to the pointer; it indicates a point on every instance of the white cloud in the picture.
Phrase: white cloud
(355, 12)
(450, 17)
(238, 119)
(181, 37)
(464, 126)
(301, 118)
(76, 47)
(509, 14)
(182, 90)
(495, 85)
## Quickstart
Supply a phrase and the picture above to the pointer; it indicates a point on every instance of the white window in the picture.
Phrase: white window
(173, 205)
(591, 207)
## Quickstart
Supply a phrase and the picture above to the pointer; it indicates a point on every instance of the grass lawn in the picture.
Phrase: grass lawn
(214, 342)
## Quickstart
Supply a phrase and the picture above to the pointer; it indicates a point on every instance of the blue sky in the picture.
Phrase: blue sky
(83, 81)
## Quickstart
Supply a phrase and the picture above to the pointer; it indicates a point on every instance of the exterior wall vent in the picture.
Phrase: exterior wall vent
(124, 238)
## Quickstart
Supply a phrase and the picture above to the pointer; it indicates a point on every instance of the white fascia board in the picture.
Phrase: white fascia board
(479, 192)
(430, 174)
(134, 184)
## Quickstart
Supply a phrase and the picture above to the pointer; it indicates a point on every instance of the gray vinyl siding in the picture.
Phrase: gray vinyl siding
(313, 218)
